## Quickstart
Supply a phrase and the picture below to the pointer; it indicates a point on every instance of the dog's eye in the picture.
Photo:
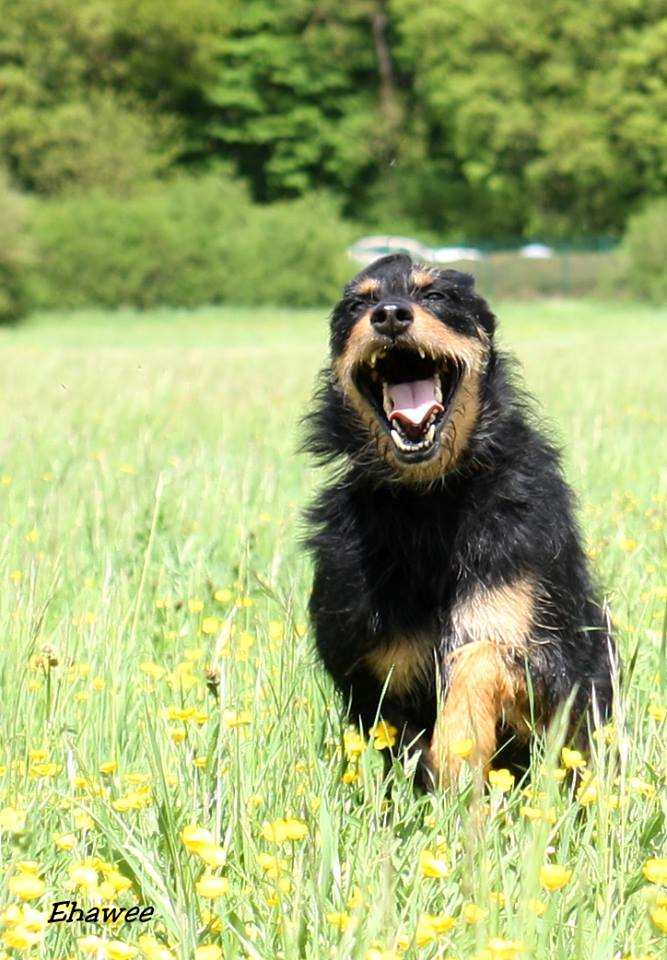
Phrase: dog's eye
(355, 304)
(434, 295)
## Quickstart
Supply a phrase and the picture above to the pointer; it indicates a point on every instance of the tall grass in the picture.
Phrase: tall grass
(158, 673)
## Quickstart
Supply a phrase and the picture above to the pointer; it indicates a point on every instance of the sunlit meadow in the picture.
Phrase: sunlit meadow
(167, 738)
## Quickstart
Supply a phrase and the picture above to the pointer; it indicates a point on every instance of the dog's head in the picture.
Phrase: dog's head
(410, 346)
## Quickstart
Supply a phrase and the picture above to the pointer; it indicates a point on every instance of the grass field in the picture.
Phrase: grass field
(151, 491)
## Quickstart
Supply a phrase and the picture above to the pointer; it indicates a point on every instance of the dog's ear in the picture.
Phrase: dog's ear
(459, 280)
(461, 287)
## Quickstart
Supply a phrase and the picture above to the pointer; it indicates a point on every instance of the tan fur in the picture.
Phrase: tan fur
(427, 333)
(421, 279)
(503, 615)
(485, 688)
(404, 661)
(367, 286)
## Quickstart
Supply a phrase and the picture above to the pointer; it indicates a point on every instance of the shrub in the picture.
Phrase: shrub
(645, 247)
(14, 252)
(187, 242)
(85, 144)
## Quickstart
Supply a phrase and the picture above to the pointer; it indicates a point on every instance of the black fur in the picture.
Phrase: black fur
(392, 556)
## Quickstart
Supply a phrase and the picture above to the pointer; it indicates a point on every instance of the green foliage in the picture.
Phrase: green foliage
(645, 245)
(460, 119)
(186, 242)
(93, 94)
(539, 118)
(293, 98)
(14, 252)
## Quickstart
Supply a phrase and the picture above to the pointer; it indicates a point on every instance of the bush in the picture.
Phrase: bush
(82, 145)
(645, 247)
(14, 252)
(187, 242)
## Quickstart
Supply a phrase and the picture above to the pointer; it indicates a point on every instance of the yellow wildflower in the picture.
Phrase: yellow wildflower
(353, 744)
(655, 870)
(26, 885)
(210, 886)
(64, 841)
(432, 866)
(117, 950)
(554, 877)
(270, 865)
(536, 906)
(208, 951)
(572, 759)
(20, 937)
(281, 830)
(153, 949)
(656, 712)
(502, 780)
(210, 625)
(12, 820)
(83, 876)
(472, 913)
(339, 920)
(500, 949)
(430, 926)
(355, 900)
(659, 918)
(384, 735)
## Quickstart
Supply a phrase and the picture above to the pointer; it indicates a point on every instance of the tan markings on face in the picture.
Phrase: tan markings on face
(405, 662)
(485, 690)
(367, 286)
(433, 337)
(422, 279)
(504, 615)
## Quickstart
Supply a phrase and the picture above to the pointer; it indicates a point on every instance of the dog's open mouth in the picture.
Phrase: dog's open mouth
(411, 392)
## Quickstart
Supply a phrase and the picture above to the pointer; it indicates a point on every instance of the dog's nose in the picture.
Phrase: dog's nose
(391, 319)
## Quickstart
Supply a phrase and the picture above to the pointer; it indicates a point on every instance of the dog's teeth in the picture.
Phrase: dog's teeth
(422, 353)
(438, 388)
(430, 435)
(396, 437)
(373, 359)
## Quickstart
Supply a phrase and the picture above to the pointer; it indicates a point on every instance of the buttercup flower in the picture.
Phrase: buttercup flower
(210, 886)
(432, 866)
(572, 759)
(281, 830)
(384, 735)
(554, 877)
(655, 870)
(502, 780)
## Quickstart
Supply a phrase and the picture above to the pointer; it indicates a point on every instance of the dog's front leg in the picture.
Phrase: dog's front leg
(484, 689)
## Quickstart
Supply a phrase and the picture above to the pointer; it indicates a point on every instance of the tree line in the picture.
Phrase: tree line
(462, 119)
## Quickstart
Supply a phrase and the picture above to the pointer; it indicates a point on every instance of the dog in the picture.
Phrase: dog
(451, 593)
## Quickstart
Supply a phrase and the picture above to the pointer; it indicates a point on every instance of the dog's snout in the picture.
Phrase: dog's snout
(391, 319)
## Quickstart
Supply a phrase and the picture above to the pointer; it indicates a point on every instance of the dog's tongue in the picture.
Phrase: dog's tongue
(413, 402)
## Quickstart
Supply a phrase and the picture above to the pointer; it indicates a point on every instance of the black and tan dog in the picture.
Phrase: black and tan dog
(449, 571)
